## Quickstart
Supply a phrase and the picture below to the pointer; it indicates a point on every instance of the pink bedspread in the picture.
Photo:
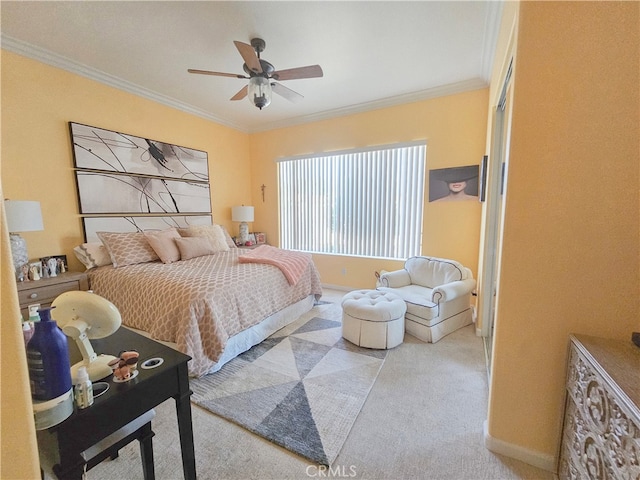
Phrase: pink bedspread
(200, 303)
(292, 264)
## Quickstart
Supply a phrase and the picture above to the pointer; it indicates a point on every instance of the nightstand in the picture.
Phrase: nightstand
(45, 290)
(250, 247)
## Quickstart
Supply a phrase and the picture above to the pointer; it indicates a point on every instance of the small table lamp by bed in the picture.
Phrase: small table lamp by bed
(243, 215)
(22, 216)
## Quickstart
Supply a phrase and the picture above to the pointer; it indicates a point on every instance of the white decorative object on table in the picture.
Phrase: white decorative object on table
(243, 215)
(35, 274)
(52, 264)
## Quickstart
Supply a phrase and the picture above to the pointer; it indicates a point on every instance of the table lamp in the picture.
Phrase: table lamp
(22, 216)
(243, 215)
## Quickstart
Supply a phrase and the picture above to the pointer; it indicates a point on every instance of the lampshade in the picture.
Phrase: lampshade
(23, 216)
(259, 93)
(242, 214)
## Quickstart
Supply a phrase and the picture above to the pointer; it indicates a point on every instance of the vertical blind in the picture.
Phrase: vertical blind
(358, 202)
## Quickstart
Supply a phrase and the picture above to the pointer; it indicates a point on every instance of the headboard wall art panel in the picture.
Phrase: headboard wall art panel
(129, 183)
(137, 194)
(99, 149)
(92, 225)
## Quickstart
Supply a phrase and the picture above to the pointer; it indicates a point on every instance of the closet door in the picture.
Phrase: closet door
(495, 197)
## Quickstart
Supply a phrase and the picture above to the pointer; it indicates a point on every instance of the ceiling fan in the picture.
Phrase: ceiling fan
(261, 75)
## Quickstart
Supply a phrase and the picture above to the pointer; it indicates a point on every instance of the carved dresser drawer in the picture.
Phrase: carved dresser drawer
(601, 433)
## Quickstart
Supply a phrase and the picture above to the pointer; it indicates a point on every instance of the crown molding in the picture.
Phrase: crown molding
(36, 53)
(490, 40)
(45, 56)
(441, 91)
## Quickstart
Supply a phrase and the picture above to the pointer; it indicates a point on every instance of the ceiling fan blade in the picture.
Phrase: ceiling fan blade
(311, 71)
(217, 74)
(249, 56)
(241, 94)
(286, 92)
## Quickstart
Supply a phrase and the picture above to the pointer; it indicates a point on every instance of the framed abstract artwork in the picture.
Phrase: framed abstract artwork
(130, 183)
(139, 194)
(104, 150)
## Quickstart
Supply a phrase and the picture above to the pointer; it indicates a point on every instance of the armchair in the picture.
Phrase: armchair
(437, 292)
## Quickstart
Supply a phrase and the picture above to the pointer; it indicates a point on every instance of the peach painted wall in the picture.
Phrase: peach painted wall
(38, 101)
(454, 128)
(570, 258)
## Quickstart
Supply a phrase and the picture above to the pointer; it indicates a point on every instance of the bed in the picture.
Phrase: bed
(211, 307)
(151, 248)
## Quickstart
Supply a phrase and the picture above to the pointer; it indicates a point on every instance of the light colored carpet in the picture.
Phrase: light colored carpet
(302, 388)
(422, 420)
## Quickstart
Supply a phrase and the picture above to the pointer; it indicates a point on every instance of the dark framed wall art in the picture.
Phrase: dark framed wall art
(453, 184)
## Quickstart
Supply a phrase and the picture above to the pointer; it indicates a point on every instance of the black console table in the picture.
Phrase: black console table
(124, 403)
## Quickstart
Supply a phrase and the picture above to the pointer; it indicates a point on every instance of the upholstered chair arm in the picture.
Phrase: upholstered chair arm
(449, 291)
(395, 279)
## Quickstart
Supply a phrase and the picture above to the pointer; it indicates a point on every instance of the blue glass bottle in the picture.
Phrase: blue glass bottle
(48, 359)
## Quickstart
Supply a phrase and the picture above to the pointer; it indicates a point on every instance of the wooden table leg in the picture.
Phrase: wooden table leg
(146, 451)
(185, 427)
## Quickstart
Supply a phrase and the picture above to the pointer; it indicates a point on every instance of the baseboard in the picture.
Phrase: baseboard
(342, 288)
(531, 457)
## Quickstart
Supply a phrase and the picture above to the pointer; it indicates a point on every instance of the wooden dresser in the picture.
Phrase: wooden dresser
(45, 290)
(601, 433)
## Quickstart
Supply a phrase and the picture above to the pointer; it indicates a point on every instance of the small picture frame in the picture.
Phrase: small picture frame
(261, 238)
(53, 266)
(35, 271)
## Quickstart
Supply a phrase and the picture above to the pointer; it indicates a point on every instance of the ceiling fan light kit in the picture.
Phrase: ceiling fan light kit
(259, 92)
(261, 73)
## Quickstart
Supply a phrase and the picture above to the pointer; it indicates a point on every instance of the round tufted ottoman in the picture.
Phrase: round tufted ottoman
(373, 319)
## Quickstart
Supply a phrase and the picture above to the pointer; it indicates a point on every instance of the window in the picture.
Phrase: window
(356, 202)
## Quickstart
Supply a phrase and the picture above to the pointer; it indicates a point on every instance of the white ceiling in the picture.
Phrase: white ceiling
(373, 53)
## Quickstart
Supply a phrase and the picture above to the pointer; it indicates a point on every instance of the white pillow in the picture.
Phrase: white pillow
(214, 233)
(92, 254)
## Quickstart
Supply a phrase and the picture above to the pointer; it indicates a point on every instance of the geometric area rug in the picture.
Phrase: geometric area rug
(302, 388)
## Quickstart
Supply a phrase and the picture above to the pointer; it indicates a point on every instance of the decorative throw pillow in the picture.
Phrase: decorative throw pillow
(92, 254)
(213, 233)
(191, 247)
(127, 248)
(164, 244)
